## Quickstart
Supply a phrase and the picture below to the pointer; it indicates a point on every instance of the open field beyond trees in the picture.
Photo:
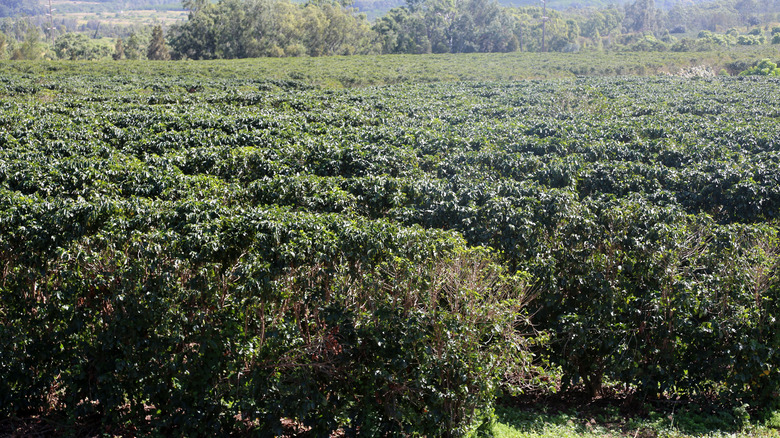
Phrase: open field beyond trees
(389, 246)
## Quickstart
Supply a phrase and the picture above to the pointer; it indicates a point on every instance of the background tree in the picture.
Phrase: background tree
(747, 10)
(401, 31)
(119, 50)
(447, 26)
(493, 29)
(640, 16)
(530, 20)
(32, 47)
(71, 46)
(253, 28)
(158, 51)
(332, 29)
(196, 39)
(78, 46)
(194, 6)
(133, 47)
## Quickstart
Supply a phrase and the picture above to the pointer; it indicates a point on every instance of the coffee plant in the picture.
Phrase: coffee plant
(266, 256)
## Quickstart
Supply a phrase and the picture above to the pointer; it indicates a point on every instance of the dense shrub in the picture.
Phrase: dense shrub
(200, 320)
(764, 68)
(255, 255)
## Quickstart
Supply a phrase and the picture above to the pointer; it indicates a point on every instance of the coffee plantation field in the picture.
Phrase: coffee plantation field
(190, 255)
(361, 71)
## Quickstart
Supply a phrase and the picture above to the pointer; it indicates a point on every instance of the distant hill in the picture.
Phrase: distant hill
(93, 6)
(13, 8)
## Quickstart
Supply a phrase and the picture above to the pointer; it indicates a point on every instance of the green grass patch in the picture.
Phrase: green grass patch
(518, 423)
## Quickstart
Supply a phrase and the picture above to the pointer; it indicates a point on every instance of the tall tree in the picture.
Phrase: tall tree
(119, 50)
(133, 48)
(252, 28)
(401, 31)
(641, 16)
(32, 47)
(3, 44)
(71, 46)
(158, 51)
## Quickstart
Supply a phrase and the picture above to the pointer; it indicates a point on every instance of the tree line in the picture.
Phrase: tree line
(251, 28)
(277, 28)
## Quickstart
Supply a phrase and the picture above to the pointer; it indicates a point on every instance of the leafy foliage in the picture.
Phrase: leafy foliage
(765, 67)
(74, 47)
(244, 29)
(157, 50)
(196, 255)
